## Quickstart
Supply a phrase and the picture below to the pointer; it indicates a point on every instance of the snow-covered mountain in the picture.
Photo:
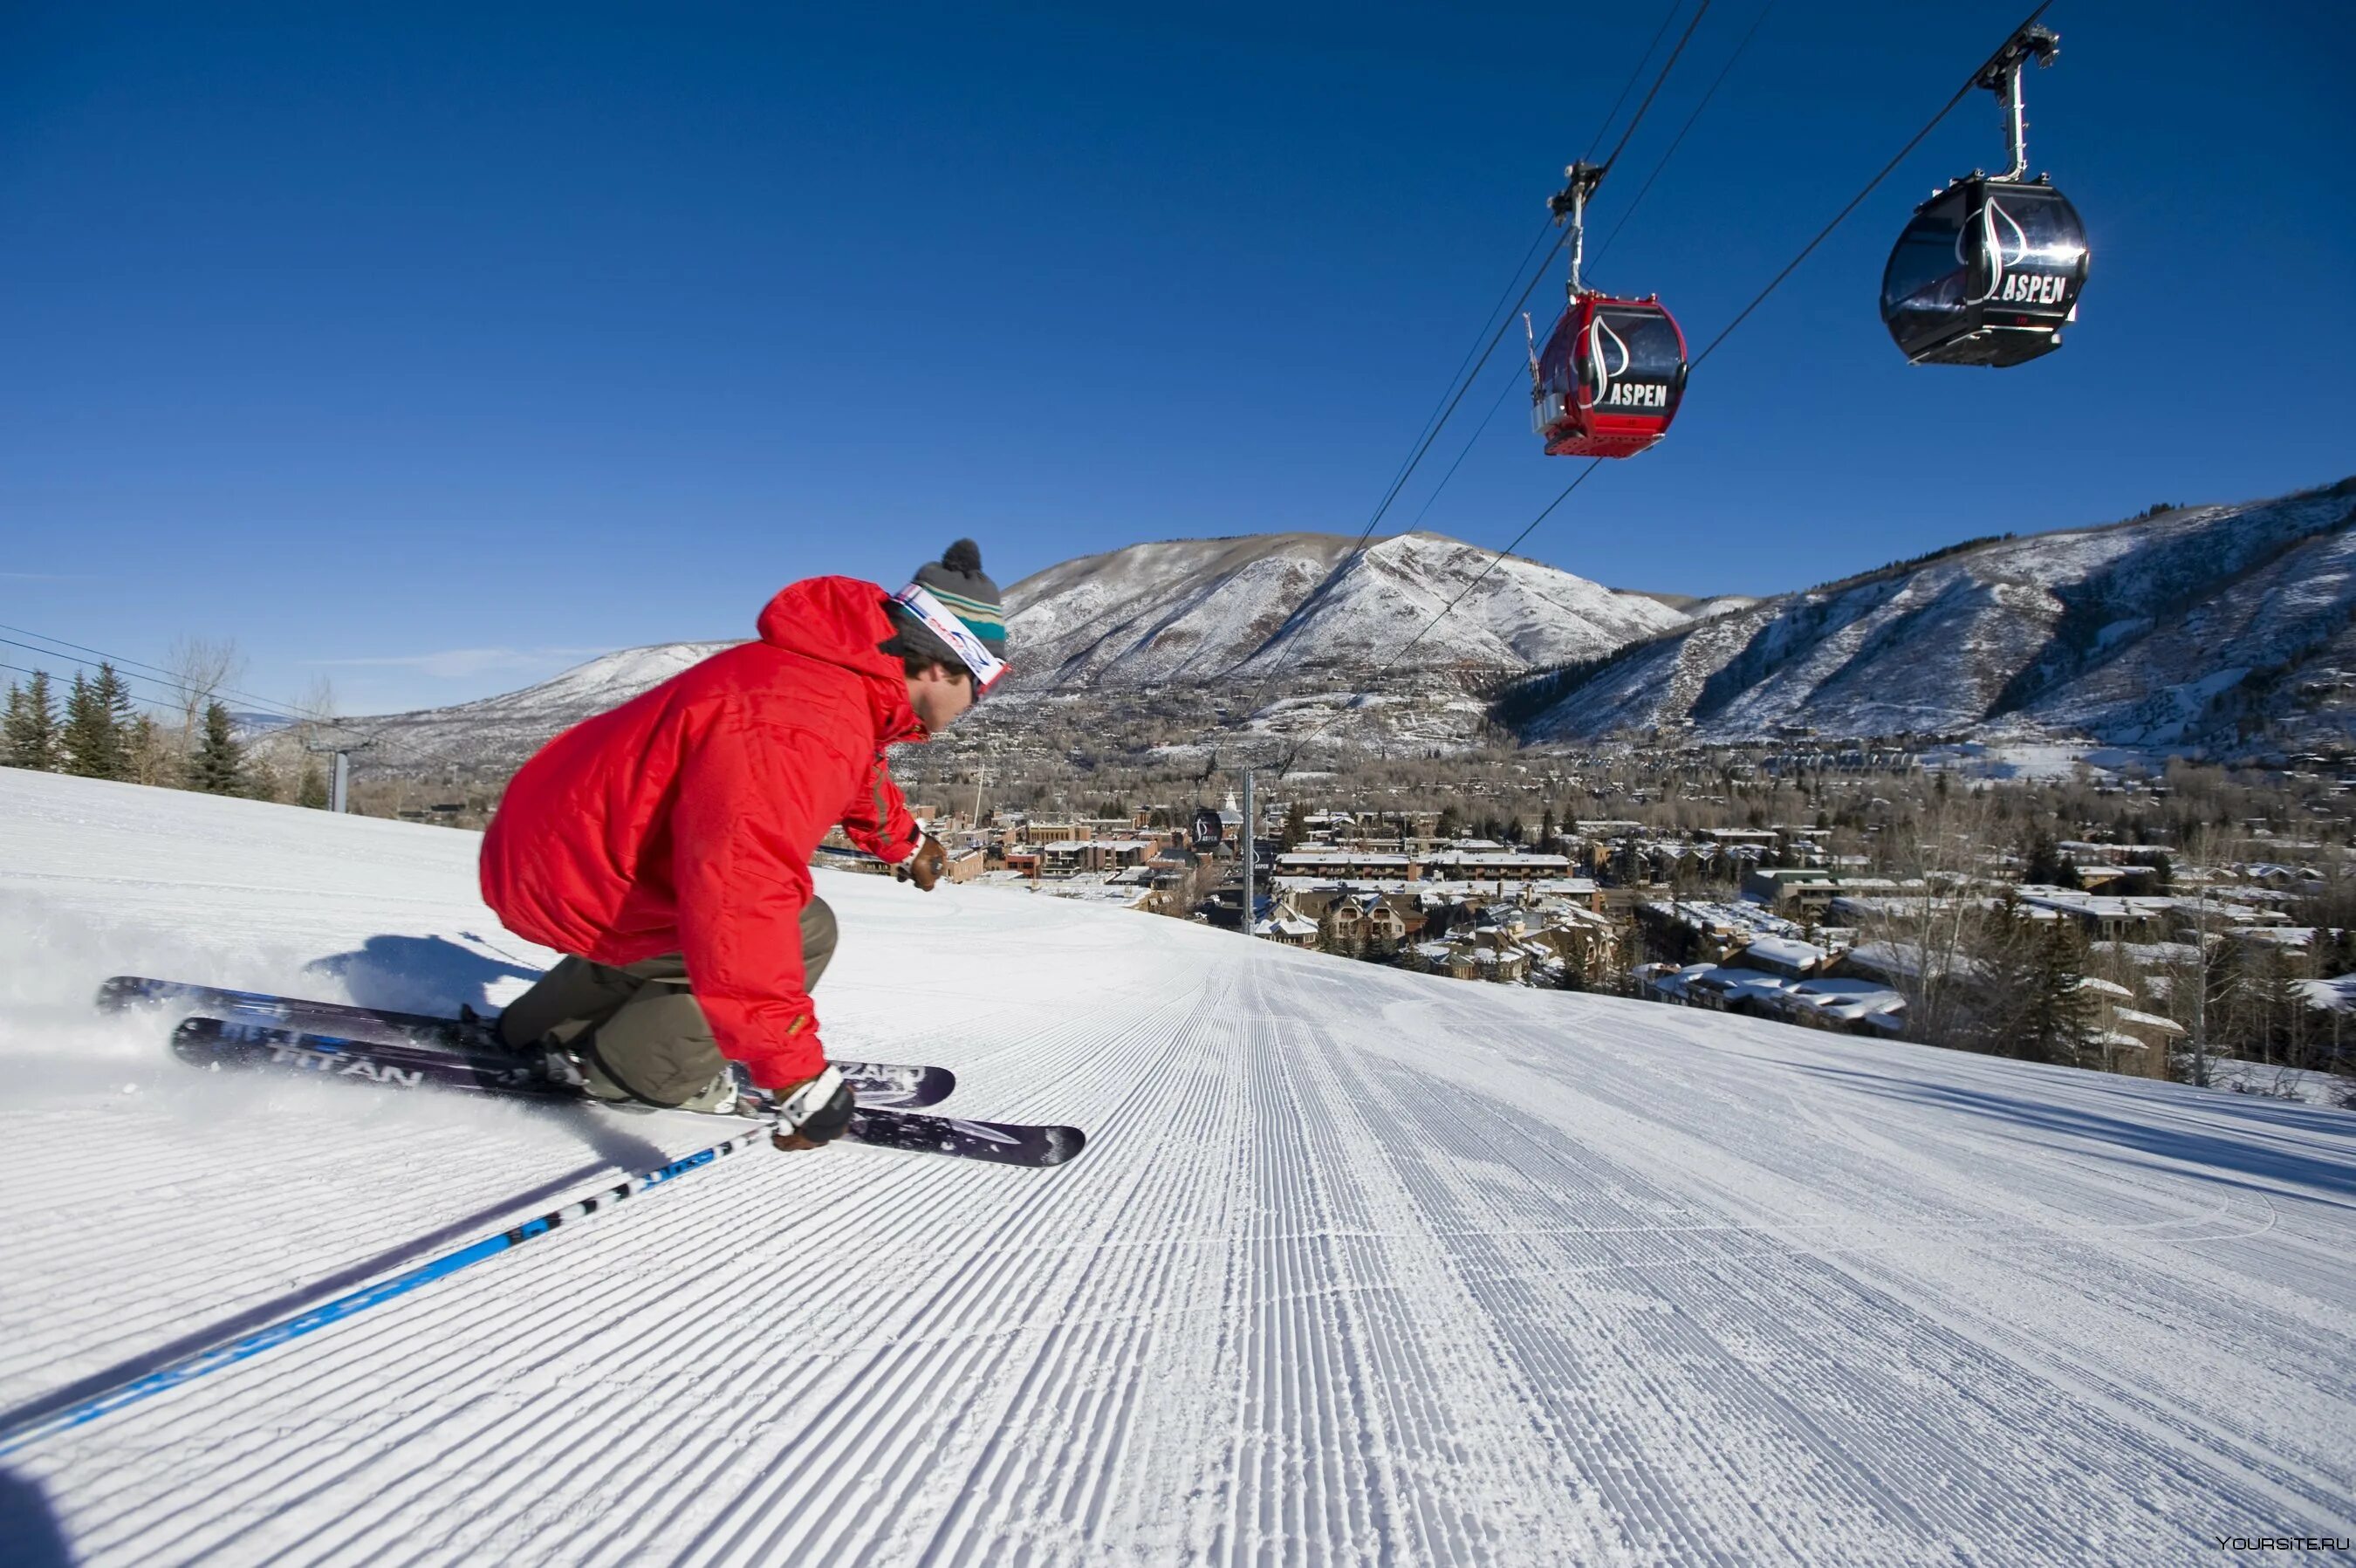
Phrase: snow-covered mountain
(1359, 1266)
(1198, 611)
(2192, 624)
(501, 732)
(1200, 614)
(2201, 623)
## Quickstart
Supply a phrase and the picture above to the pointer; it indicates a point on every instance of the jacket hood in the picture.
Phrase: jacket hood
(840, 621)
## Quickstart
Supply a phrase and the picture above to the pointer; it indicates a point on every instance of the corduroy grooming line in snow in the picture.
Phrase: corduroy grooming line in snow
(190, 1368)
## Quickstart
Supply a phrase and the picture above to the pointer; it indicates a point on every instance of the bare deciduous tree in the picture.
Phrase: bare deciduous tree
(201, 667)
(1934, 924)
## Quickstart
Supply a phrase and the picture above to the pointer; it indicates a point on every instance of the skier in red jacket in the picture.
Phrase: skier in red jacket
(667, 842)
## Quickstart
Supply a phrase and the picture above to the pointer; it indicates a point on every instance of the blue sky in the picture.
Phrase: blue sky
(430, 348)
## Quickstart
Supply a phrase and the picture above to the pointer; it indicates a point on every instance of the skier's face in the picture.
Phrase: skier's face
(938, 698)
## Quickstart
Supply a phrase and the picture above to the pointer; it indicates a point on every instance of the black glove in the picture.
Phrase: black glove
(813, 1111)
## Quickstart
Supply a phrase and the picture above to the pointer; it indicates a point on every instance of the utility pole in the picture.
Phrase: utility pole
(1251, 852)
(2200, 972)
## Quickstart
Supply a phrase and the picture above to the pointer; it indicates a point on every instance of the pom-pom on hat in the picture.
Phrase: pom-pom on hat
(957, 580)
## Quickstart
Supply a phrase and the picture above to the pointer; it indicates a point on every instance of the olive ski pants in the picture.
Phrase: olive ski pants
(639, 1025)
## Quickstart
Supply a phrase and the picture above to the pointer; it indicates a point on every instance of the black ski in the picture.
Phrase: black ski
(231, 1043)
(905, 1086)
(123, 992)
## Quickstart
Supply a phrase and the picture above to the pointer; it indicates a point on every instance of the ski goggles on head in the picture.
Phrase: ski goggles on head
(984, 666)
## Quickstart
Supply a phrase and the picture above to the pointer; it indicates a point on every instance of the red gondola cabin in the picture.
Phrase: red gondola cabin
(1610, 378)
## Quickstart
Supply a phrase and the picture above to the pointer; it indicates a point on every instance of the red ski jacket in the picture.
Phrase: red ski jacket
(684, 820)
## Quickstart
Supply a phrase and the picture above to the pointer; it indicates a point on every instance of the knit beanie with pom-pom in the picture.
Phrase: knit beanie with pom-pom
(958, 590)
(955, 580)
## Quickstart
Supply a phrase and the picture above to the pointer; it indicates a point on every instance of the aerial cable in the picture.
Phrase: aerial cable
(1472, 441)
(1646, 188)
(1293, 621)
(131, 672)
(179, 690)
(1429, 433)
(1723, 72)
(1970, 84)
(1658, 82)
(1527, 529)
(1309, 601)
(1466, 379)
(173, 691)
(1634, 71)
(1465, 386)
(258, 705)
(1463, 379)
(1464, 365)
(1462, 388)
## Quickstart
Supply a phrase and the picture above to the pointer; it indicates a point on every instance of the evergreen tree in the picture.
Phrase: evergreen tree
(313, 790)
(99, 727)
(112, 694)
(219, 765)
(93, 749)
(1296, 825)
(30, 737)
(2059, 1025)
(2278, 1004)
(2042, 863)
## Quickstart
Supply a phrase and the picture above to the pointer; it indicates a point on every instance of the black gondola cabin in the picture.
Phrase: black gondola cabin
(1987, 274)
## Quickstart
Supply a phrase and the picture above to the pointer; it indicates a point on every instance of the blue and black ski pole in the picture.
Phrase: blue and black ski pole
(187, 1367)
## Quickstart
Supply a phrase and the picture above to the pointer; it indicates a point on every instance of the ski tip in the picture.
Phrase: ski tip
(118, 991)
(1063, 1143)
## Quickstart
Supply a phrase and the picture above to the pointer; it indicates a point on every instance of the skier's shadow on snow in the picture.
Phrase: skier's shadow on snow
(420, 974)
(29, 1527)
(615, 1147)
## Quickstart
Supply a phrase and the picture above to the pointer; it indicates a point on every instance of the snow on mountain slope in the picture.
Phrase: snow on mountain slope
(2151, 631)
(1201, 609)
(505, 729)
(1358, 1266)
(1187, 612)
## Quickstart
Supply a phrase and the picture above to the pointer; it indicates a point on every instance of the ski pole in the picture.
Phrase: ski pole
(195, 1365)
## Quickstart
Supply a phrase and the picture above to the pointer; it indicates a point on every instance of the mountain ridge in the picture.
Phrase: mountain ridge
(2149, 631)
(1243, 608)
(2187, 625)
(1268, 616)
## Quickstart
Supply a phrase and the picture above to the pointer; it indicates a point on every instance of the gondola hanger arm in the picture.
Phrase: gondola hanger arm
(2001, 76)
(1569, 205)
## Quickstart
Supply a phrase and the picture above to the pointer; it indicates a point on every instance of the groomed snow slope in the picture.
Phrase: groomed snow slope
(1359, 1266)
